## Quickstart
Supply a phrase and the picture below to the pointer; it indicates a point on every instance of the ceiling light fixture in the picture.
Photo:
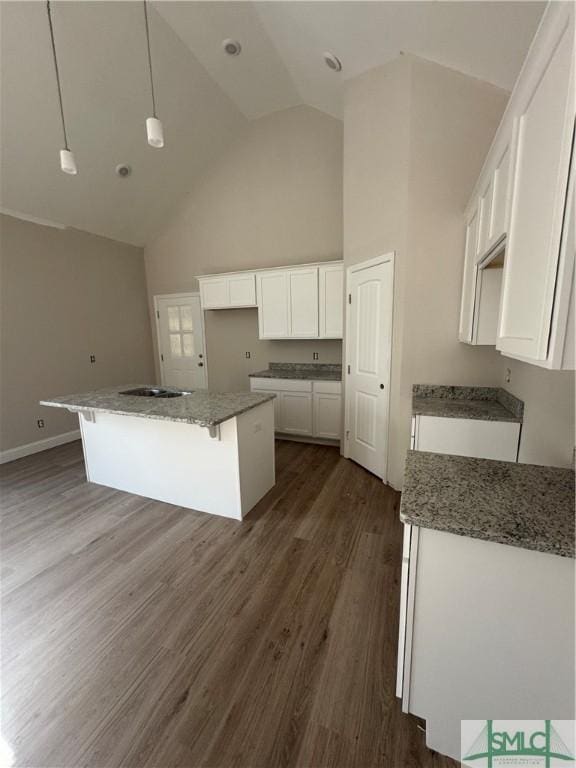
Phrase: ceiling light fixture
(232, 47)
(67, 161)
(332, 62)
(154, 129)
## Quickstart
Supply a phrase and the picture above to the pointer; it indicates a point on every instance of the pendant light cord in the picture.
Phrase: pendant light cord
(57, 73)
(149, 59)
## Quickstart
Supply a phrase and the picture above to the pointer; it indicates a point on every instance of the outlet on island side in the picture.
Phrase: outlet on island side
(40, 423)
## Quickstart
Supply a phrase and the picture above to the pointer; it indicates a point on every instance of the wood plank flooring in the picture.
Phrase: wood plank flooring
(137, 634)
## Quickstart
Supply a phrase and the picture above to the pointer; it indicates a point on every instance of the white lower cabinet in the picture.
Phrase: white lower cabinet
(485, 628)
(304, 408)
(497, 440)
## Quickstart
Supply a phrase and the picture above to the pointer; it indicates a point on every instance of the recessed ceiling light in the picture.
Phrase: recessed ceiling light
(232, 47)
(332, 62)
(123, 170)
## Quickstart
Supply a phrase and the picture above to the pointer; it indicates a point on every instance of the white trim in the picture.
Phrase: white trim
(305, 265)
(32, 219)
(368, 264)
(11, 454)
(189, 294)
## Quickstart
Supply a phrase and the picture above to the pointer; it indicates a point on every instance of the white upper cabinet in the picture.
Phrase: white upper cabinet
(469, 277)
(518, 220)
(228, 291)
(273, 304)
(303, 301)
(331, 301)
(543, 127)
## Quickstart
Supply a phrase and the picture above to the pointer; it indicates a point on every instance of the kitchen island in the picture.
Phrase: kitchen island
(212, 452)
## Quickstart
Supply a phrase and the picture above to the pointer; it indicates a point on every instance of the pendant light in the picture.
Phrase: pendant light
(154, 127)
(67, 161)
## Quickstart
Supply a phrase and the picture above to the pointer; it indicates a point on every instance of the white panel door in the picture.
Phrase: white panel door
(273, 307)
(303, 289)
(242, 290)
(466, 328)
(296, 413)
(369, 352)
(331, 301)
(327, 415)
(181, 341)
(544, 126)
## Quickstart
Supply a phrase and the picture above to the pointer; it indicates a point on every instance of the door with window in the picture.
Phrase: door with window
(181, 341)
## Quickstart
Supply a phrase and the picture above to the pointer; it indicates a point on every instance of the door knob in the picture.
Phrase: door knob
(381, 386)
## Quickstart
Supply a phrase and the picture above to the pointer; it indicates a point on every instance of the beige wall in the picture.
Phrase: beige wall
(64, 295)
(415, 136)
(548, 430)
(274, 198)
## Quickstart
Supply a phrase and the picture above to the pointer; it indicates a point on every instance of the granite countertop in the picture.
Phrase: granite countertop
(206, 409)
(522, 505)
(306, 371)
(482, 403)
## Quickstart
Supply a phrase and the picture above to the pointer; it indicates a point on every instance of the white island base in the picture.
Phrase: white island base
(224, 470)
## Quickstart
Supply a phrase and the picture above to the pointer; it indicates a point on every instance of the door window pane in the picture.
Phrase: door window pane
(186, 318)
(173, 319)
(188, 344)
(175, 345)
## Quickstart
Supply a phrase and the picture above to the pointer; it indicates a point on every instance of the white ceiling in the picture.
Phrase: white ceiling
(204, 97)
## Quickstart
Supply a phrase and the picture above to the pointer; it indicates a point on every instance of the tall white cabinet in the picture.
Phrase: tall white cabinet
(520, 219)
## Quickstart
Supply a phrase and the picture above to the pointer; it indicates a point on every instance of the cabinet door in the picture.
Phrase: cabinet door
(500, 197)
(242, 290)
(327, 416)
(296, 413)
(485, 222)
(273, 307)
(543, 133)
(214, 293)
(331, 301)
(469, 279)
(303, 292)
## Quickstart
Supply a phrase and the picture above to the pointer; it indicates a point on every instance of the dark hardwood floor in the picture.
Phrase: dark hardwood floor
(135, 633)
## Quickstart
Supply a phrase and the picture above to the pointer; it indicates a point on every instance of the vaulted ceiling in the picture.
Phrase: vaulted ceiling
(204, 97)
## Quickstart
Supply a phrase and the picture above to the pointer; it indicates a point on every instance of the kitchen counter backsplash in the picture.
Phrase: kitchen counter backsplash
(491, 403)
(307, 371)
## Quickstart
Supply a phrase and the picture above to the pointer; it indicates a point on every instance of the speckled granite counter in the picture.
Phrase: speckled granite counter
(522, 505)
(206, 409)
(306, 371)
(482, 403)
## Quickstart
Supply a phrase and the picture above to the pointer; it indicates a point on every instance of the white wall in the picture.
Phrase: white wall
(415, 137)
(274, 198)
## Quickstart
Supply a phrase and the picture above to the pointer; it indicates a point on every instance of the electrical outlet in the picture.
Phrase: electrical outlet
(247, 355)
(315, 356)
(508, 375)
(40, 423)
(92, 358)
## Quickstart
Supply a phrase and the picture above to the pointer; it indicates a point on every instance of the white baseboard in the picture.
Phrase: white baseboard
(11, 454)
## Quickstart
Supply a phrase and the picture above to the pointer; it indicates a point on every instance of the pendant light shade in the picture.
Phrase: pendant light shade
(155, 132)
(154, 129)
(67, 161)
